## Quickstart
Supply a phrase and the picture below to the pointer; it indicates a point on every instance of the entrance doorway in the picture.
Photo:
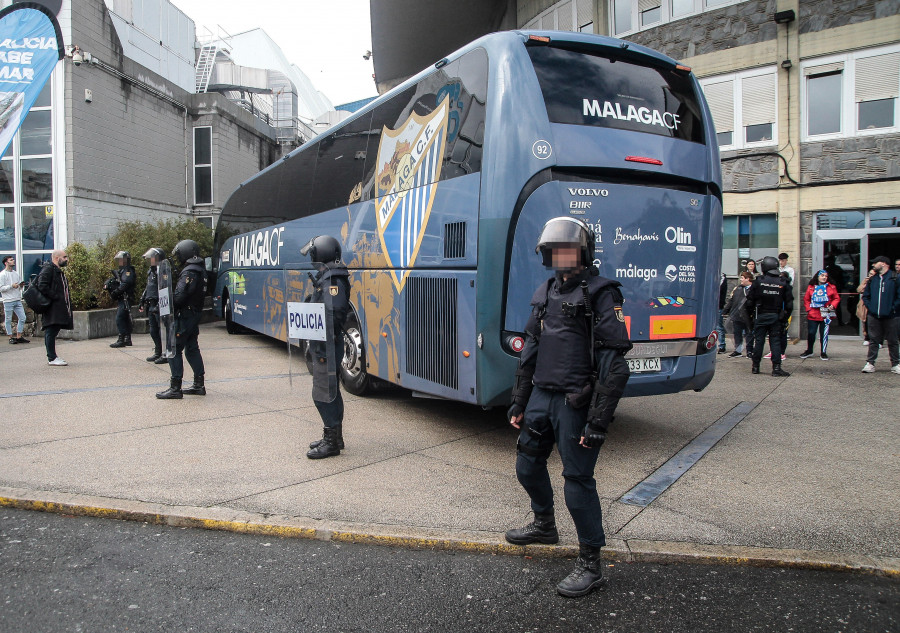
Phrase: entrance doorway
(841, 258)
(845, 253)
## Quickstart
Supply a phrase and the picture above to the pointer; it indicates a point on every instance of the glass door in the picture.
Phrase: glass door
(843, 260)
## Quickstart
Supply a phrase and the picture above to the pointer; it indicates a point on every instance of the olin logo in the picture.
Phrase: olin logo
(683, 239)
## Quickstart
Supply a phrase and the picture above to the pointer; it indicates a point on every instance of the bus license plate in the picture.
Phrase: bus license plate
(638, 365)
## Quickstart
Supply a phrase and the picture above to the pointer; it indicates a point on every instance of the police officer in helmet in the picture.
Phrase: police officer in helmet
(331, 285)
(150, 302)
(772, 298)
(570, 377)
(187, 304)
(121, 288)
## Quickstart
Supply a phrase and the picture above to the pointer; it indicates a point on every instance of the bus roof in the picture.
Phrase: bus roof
(569, 39)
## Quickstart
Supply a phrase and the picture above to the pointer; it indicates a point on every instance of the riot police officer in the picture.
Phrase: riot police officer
(570, 377)
(187, 303)
(331, 286)
(772, 299)
(123, 291)
(150, 302)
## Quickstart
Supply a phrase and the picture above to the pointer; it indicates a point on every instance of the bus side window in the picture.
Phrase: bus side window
(340, 166)
(465, 154)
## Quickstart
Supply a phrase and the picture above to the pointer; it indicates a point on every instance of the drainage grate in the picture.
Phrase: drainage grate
(431, 330)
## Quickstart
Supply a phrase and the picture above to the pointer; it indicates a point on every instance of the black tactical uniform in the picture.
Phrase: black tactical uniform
(123, 292)
(771, 298)
(571, 375)
(150, 302)
(187, 304)
(331, 286)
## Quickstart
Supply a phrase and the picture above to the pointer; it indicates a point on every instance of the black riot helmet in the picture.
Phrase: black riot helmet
(566, 231)
(152, 252)
(185, 251)
(125, 256)
(768, 263)
(323, 249)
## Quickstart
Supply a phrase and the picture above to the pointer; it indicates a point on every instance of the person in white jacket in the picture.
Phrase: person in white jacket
(11, 292)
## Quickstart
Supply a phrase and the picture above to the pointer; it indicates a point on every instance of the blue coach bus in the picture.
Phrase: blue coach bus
(438, 190)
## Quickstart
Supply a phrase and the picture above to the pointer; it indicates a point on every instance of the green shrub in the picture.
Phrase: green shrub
(83, 273)
(136, 238)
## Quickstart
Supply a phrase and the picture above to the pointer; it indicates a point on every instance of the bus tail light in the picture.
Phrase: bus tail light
(683, 68)
(644, 159)
(514, 342)
(538, 39)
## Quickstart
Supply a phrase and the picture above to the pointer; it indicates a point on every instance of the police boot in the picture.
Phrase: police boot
(541, 530)
(328, 447)
(778, 371)
(127, 340)
(120, 342)
(157, 353)
(340, 438)
(754, 369)
(196, 389)
(173, 392)
(587, 575)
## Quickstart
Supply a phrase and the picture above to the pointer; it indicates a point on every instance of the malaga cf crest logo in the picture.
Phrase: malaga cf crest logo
(410, 160)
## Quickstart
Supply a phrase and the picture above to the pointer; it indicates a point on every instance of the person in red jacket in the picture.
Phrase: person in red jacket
(821, 301)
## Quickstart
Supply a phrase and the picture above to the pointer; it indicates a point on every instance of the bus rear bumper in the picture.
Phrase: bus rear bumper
(681, 373)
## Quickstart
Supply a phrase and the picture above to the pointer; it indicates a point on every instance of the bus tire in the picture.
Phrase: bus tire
(230, 326)
(353, 366)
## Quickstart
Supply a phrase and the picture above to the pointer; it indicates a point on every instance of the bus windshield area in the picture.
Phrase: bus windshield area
(580, 88)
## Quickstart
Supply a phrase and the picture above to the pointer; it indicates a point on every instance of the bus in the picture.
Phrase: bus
(438, 190)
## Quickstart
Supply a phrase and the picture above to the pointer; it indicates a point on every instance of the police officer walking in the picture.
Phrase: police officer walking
(772, 299)
(123, 291)
(570, 377)
(150, 302)
(331, 286)
(187, 301)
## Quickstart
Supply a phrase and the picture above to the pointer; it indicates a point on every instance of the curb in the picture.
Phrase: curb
(630, 551)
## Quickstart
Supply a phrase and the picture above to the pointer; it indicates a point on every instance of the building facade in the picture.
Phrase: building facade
(804, 95)
(121, 132)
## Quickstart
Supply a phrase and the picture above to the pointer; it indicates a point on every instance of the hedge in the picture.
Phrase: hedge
(90, 266)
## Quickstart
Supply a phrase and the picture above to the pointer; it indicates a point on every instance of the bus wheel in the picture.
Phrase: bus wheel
(353, 367)
(230, 326)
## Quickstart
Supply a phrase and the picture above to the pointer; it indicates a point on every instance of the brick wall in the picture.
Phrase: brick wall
(849, 159)
(819, 15)
(736, 25)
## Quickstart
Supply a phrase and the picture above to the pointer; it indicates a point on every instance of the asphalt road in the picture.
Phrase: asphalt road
(60, 573)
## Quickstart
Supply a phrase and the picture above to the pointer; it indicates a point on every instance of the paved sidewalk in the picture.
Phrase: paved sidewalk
(809, 477)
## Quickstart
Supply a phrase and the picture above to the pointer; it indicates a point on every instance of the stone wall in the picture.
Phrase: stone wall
(819, 15)
(736, 25)
(850, 159)
(749, 170)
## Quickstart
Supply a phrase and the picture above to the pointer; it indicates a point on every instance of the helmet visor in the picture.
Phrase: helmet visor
(563, 232)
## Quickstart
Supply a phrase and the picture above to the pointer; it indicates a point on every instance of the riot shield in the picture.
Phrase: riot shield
(310, 324)
(166, 308)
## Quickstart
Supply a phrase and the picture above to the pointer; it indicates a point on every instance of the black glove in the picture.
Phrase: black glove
(593, 436)
(515, 411)
(783, 316)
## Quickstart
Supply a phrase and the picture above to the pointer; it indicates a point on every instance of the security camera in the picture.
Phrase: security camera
(77, 57)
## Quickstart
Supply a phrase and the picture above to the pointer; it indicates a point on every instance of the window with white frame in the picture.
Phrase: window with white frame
(567, 15)
(852, 94)
(203, 193)
(631, 16)
(743, 107)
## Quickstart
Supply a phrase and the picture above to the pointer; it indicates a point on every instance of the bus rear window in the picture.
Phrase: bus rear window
(584, 89)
